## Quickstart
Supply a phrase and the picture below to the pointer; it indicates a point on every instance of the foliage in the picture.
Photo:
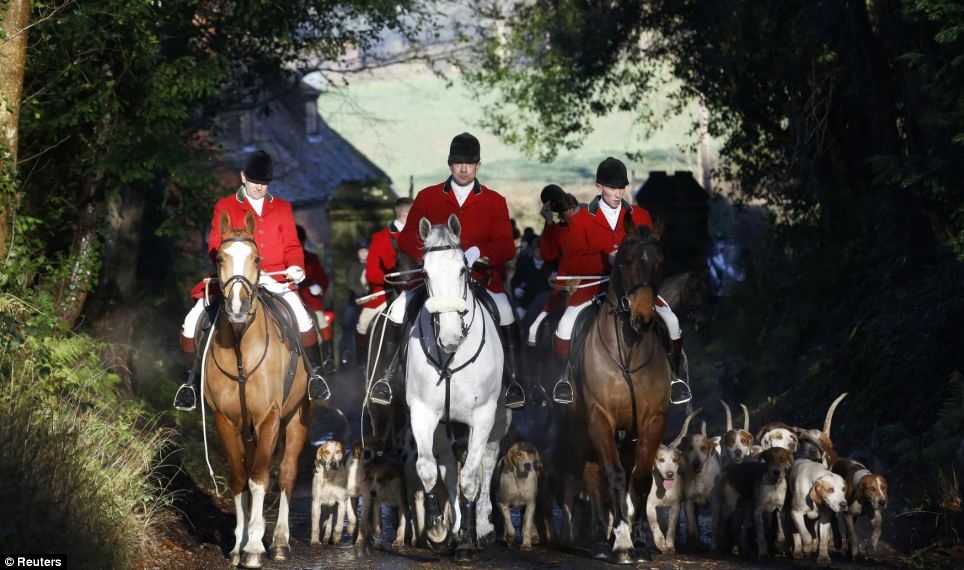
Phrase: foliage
(80, 467)
(826, 108)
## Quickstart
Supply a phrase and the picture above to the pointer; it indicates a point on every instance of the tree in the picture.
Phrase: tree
(118, 103)
(14, 17)
(830, 111)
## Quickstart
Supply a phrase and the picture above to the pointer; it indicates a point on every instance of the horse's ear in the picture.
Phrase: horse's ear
(224, 222)
(659, 224)
(424, 226)
(455, 225)
(249, 223)
(629, 225)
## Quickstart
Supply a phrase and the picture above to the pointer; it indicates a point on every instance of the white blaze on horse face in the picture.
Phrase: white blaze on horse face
(447, 293)
(235, 256)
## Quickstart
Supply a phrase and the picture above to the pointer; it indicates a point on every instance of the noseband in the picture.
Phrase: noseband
(449, 305)
(246, 285)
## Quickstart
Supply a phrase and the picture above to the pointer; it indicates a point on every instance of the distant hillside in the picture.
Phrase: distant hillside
(404, 119)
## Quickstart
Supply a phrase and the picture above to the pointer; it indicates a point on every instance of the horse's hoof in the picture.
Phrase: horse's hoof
(627, 556)
(600, 550)
(281, 553)
(465, 552)
(487, 540)
(235, 559)
(437, 546)
(251, 560)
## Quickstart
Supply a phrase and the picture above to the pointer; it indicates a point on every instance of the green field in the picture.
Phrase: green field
(404, 120)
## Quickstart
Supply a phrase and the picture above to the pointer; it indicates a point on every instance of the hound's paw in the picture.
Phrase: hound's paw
(526, 547)
(823, 559)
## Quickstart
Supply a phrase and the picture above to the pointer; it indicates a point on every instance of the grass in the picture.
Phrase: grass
(404, 119)
(80, 466)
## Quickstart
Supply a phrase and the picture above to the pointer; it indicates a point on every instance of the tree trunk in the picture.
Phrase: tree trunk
(14, 16)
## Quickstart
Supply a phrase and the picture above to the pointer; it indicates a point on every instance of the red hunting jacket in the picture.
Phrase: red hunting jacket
(589, 241)
(274, 233)
(485, 224)
(381, 260)
(314, 275)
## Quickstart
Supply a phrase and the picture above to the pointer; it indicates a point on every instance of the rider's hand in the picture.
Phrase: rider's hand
(295, 274)
(547, 212)
(472, 255)
(612, 256)
(316, 290)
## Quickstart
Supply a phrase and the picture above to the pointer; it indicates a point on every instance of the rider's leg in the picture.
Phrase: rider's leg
(186, 397)
(389, 355)
(317, 386)
(680, 393)
(361, 332)
(328, 365)
(514, 395)
(562, 392)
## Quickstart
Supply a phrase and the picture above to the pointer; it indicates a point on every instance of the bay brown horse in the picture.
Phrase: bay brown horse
(622, 384)
(244, 384)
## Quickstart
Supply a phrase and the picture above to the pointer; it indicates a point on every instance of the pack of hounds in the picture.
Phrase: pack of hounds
(774, 493)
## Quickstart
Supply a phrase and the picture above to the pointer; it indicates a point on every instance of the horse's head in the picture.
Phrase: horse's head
(635, 274)
(238, 268)
(446, 281)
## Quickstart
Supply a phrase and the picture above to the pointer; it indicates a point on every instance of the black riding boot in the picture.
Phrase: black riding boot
(514, 395)
(328, 365)
(381, 390)
(317, 387)
(679, 390)
(186, 397)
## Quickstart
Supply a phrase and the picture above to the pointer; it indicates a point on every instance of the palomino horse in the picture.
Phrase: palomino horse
(622, 384)
(454, 374)
(245, 385)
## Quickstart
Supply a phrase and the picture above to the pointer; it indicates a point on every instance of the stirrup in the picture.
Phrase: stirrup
(519, 396)
(679, 392)
(318, 388)
(378, 396)
(562, 392)
(181, 401)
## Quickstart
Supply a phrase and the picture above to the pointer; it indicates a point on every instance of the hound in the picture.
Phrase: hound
(329, 487)
(700, 483)
(816, 444)
(386, 487)
(777, 434)
(667, 493)
(360, 462)
(761, 486)
(866, 495)
(517, 478)
(736, 443)
(816, 493)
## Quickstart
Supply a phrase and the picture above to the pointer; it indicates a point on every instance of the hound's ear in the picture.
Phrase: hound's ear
(454, 225)
(224, 222)
(249, 223)
(510, 458)
(424, 226)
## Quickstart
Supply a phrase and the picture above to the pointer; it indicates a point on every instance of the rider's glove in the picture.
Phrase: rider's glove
(316, 290)
(472, 255)
(295, 274)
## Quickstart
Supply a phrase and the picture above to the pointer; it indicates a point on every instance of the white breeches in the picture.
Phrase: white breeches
(568, 320)
(534, 328)
(321, 319)
(396, 313)
(290, 297)
(564, 329)
(669, 317)
(366, 317)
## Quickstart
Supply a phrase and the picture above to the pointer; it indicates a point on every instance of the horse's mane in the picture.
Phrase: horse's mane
(441, 235)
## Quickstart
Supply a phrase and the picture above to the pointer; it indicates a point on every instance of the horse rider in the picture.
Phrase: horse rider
(382, 259)
(312, 290)
(280, 251)
(486, 237)
(594, 236)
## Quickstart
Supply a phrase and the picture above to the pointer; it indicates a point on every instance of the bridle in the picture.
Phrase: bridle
(435, 309)
(625, 291)
(251, 289)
